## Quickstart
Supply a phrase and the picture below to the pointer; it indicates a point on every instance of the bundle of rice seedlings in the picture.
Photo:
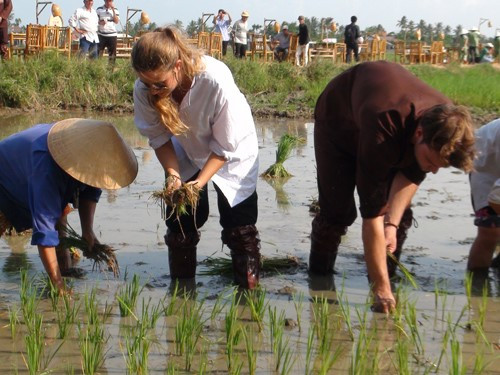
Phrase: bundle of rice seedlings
(272, 266)
(99, 253)
(179, 200)
(285, 146)
(403, 269)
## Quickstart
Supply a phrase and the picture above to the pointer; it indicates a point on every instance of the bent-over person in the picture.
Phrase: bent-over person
(49, 166)
(379, 129)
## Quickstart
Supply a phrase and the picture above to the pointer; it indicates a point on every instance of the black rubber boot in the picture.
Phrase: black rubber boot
(244, 243)
(401, 235)
(182, 254)
(325, 241)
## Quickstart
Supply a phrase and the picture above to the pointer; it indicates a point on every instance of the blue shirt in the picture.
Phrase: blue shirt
(222, 26)
(34, 190)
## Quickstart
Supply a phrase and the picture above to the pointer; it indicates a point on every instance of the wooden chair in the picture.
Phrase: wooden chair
(340, 52)
(34, 39)
(326, 51)
(292, 50)
(437, 53)
(17, 45)
(400, 52)
(373, 49)
(382, 49)
(267, 52)
(216, 45)
(363, 51)
(417, 55)
(204, 41)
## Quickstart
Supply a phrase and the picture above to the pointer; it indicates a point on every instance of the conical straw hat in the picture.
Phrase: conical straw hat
(145, 18)
(92, 152)
(56, 10)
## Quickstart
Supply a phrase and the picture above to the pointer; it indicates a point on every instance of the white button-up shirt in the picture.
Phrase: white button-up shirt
(86, 20)
(219, 121)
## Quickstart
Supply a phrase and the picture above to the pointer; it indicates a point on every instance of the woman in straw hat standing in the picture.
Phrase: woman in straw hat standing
(240, 31)
(48, 166)
(194, 98)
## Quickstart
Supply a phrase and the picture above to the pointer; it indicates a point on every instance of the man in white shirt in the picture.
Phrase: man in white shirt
(222, 26)
(84, 21)
(240, 30)
(108, 18)
(283, 41)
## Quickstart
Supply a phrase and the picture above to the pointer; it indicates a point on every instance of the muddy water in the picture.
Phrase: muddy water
(128, 220)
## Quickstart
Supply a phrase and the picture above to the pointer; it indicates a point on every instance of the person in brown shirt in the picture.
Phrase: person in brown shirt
(5, 10)
(379, 129)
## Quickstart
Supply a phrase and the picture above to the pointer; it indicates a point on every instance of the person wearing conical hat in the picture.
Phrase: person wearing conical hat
(486, 55)
(240, 34)
(49, 166)
(473, 39)
(464, 45)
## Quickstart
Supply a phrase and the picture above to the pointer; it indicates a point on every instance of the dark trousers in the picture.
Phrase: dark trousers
(240, 50)
(281, 54)
(244, 213)
(473, 57)
(224, 47)
(108, 42)
(352, 47)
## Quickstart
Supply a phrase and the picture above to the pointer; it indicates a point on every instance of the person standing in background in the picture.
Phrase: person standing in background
(85, 22)
(303, 45)
(464, 45)
(240, 30)
(5, 10)
(222, 26)
(473, 39)
(351, 35)
(108, 18)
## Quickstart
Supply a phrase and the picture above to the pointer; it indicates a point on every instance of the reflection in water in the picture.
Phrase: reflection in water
(282, 198)
(146, 156)
(111, 196)
(18, 258)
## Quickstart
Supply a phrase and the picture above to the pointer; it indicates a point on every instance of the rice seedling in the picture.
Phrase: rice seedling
(456, 366)
(92, 345)
(233, 332)
(309, 350)
(288, 361)
(402, 362)
(328, 359)
(219, 266)
(169, 310)
(202, 369)
(256, 300)
(274, 324)
(298, 303)
(468, 290)
(171, 368)
(151, 314)
(321, 312)
(482, 306)
(179, 200)
(345, 311)
(137, 345)
(409, 277)
(91, 307)
(66, 317)
(249, 350)
(13, 321)
(188, 332)
(30, 297)
(127, 297)
(34, 342)
(412, 323)
(102, 255)
(219, 305)
(285, 146)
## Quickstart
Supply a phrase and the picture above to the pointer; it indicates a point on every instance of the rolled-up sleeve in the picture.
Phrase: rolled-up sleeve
(147, 119)
(45, 190)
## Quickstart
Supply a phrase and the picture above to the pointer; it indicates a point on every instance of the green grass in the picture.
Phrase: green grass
(51, 81)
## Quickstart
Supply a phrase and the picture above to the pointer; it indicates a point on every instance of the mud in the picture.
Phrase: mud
(130, 221)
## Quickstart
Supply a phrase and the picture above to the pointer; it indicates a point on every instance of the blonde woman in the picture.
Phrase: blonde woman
(201, 128)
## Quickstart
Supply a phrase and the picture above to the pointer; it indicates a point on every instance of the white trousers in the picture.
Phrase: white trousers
(302, 49)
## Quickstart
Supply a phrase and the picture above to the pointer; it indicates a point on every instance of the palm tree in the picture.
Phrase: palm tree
(179, 25)
(403, 25)
(192, 28)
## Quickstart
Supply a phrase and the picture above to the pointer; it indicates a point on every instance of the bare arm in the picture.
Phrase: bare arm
(400, 196)
(86, 211)
(49, 260)
(213, 164)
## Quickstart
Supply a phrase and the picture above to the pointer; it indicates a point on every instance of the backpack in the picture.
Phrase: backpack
(349, 34)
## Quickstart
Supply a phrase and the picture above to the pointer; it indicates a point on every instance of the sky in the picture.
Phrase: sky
(369, 12)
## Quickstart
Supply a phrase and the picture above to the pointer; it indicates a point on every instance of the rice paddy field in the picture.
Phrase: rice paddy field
(143, 323)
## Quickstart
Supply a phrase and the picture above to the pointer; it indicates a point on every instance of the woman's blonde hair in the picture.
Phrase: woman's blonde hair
(160, 50)
(449, 129)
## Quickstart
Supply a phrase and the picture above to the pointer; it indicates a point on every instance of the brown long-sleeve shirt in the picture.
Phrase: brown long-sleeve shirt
(371, 112)
(5, 10)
